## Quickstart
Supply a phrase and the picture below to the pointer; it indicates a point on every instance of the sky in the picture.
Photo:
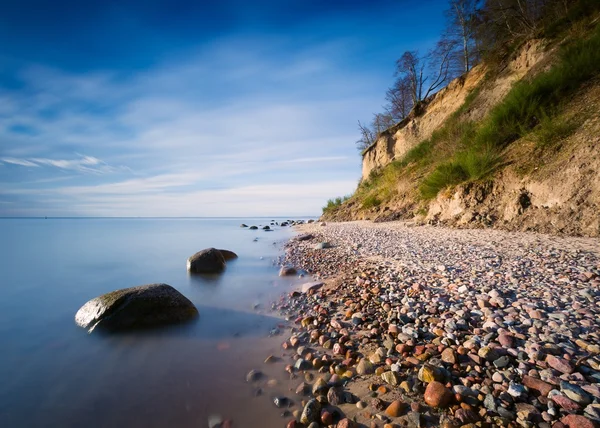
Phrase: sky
(188, 108)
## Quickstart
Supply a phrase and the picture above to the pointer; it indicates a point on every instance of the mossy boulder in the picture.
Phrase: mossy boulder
(209, 260)
(133, 308)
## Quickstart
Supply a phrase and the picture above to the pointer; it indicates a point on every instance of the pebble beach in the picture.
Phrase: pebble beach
(405, 325)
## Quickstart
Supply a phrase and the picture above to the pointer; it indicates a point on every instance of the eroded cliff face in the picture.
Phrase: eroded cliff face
(552, 188)
(394, 143)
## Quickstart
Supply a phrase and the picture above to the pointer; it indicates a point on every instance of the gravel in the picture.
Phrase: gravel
(487, 311)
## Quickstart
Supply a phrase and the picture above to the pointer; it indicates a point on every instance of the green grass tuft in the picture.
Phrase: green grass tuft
(371, 201)
(335, 203)
(552, 130)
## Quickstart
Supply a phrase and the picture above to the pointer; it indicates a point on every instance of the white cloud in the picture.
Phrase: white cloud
(21, 162)
(225, 117)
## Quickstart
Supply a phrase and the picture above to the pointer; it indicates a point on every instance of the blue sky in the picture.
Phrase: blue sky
(193, 108)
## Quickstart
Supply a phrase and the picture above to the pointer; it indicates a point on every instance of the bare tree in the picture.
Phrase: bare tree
(381, 122)
(462, 19)
(399, 99)
(367, 137)
(425, 75)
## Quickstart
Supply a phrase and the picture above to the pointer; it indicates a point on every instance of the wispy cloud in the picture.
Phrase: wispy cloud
(205, 126)
(21, 162)
(87, 164)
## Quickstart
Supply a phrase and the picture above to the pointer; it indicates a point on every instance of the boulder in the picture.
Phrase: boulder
(287, 271)
(253, 227)
(243, 225)
(266, 228)
(209, 260)
(304, 237)
(228, 255)
(136, 307)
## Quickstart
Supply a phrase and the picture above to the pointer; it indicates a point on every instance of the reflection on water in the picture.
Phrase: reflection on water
(55, 374)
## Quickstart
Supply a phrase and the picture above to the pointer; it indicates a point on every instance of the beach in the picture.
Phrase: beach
(427, 326)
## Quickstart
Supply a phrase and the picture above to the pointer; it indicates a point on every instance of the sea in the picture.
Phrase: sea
(55, 374)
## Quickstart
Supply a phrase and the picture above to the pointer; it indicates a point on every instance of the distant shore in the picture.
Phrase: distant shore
(445, 327)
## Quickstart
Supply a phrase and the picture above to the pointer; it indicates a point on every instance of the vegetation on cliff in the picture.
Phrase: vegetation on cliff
(474, 150)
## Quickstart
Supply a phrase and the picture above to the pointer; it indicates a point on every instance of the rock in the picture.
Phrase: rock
(593, 411)
(501, 362)
(209, 260)
(437, 395)
(320, 387)
(364, 367)
(266, 228)
(311, 412)
(136, 307)
(488, 353)
(304, 237)
(429, 373)
(578, 421)
(281, 402)
(395, 409)
(449, 356)
(575, 393)
(516, 389)
(287, 271)
(311, 286)
(393, 378)
(322, 245)
(559, 364)
(228, 255)
(303, 389)
(243, 225)
(346, 423)
(326, 418)
(253, 228)
(537, 384)
(253, 376)
(335, 396)
(527, 412)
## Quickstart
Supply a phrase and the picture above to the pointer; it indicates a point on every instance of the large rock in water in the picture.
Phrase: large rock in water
(136, 307)
(209, 260)
(228, 255)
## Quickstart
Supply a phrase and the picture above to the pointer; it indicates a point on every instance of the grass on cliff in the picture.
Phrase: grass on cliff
(529, 105)
(381, 184)
(334, 203)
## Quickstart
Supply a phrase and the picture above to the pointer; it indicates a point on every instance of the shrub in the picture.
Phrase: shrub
(444, 175)
(335, 203)
(551, 130)
(371, 201)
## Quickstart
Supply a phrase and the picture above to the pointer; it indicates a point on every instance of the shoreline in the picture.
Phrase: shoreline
(424, 326)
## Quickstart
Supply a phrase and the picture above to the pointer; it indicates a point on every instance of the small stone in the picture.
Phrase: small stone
(335, 396)
(516, 389)
(320, 387)
(311, 412)
(559, 364)
(364, 367)
(346, 423)
(326, 418)
(537, 384)
(437, 395)
(361, 405)
(449, 356)
(575, 393)
(429, 373)
(393, 378)
(395, 409)
(578, 421)
(253, 376)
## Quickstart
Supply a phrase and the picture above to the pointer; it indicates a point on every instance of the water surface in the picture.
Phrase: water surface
(55, 374)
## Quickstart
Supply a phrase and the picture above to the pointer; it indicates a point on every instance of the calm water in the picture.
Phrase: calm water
(52, 373)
